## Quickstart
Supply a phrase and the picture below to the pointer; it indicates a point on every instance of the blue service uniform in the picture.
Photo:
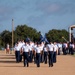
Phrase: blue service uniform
(26, 55)
(17, 53)
(38, 54)
(55, 53)
(50, 52)
(71, 50)
(59, 48)
(31, 53)
(45, 54)
(64, 47)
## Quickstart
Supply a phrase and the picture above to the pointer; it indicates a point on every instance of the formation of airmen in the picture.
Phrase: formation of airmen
(41, 52)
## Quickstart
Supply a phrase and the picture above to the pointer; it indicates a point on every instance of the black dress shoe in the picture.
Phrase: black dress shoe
(24, 65)
(38, 66)
(52, 65)
(27, 65)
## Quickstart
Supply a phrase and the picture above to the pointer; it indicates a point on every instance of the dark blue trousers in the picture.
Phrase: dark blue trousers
(45, 57)
(17, 54)
(26, 58)
(69, 50)
(54, 57)
(31, 56)
(38, 59)
(64, 51)
(58, 51)
(41, 58)
(72, 51)
(51, 58)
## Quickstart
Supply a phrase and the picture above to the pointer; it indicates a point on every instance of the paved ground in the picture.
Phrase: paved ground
(65, 66)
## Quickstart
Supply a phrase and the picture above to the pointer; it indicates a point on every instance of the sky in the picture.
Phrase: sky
(43, 15)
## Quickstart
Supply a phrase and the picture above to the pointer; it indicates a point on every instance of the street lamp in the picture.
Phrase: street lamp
(64, 39)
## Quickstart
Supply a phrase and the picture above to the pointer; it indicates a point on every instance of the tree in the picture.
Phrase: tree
(5, 37)
(20, 33)
(56, 35)
(23, 31)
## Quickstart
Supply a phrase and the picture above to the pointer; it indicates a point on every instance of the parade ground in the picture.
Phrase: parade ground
(65, 66)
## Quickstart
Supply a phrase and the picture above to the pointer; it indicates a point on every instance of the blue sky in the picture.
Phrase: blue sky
(43, 15)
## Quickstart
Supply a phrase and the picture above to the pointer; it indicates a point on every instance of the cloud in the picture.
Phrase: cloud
(53, 8)
(56, 7)
(50, 8)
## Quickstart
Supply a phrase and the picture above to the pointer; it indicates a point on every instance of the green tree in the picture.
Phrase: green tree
(5, 37)
(23, 31)
(20, 33)
(56, 35)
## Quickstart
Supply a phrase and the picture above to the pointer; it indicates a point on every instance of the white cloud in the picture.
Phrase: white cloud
(56, 7)
(52, 8)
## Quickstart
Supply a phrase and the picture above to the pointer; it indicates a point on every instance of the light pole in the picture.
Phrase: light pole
(12, 32)
(64, 39)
